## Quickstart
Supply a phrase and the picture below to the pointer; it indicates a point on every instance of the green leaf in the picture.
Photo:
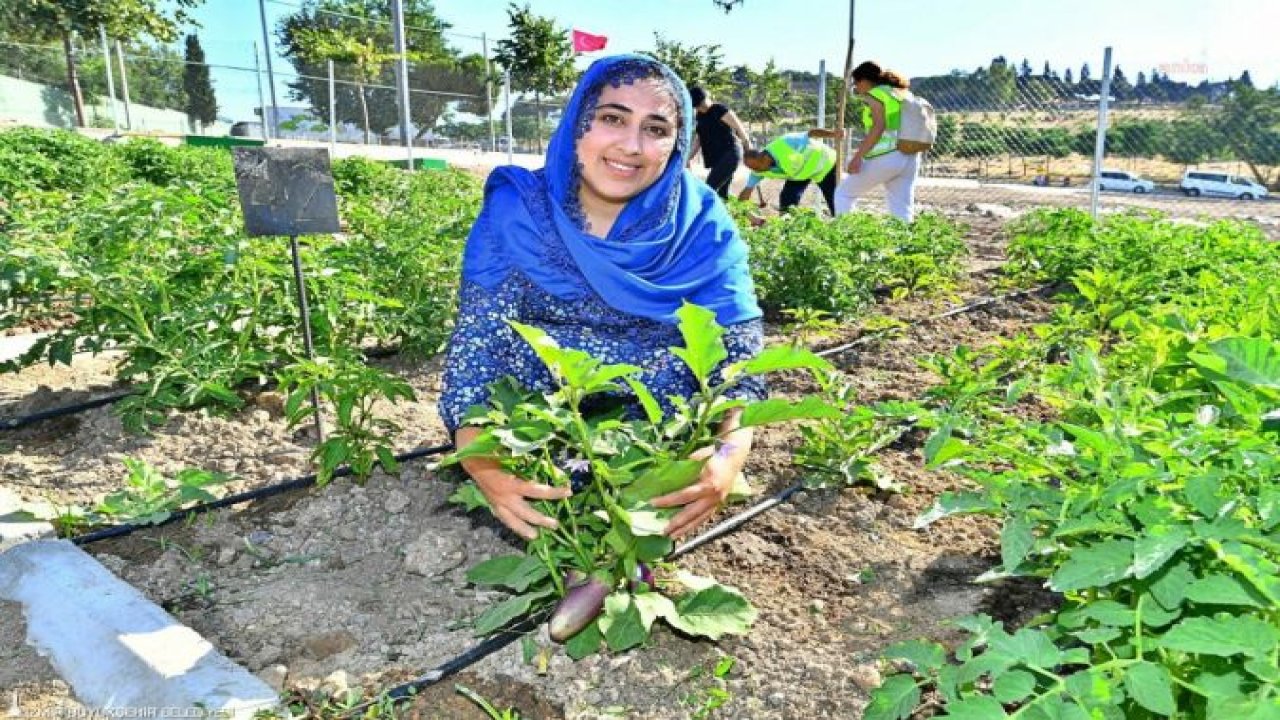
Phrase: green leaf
(1029, 647)
(981, 707)
(1013, 686)
(895, 699)
(586, 642)
(712, 612)
(653, 547)
(923, 655)
(1153, 550)
(667, 477)
(1223, 590)
(703, 345)
(1016, 540)
(501, 615)
(1150, 686)
(652, 606)
(1094, 566)
(469, 497)
(517, 572)
(1223, 635)
(652, 410)
(775, 410)
(1202, 492)
(956, 503)
(1252, 361)
(625, 628)
(783, 357)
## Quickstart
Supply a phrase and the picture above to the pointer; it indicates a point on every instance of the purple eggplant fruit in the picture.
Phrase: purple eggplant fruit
(644, 575)
(581, 605)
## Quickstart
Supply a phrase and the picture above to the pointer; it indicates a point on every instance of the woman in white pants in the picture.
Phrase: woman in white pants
(877, 160)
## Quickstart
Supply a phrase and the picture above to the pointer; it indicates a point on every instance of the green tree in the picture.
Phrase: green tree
(202, 104)
(1248, 122)
(49, 20)
(357, 36)
(539, 57)
(701, 65)
(1001, 82)
(765, 97)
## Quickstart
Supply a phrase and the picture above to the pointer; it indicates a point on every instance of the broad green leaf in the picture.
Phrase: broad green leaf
(624, 627)
(895, 699)
(1223, 635)
(1150, 686)
(653, 547)
(1169, 585)
(1013, 686)
(1098, 636)
(517, 572)
(1242, 708)
(1029, 647)
(652, 606)
(703, 344)
(922, 654)
(1202, 492)
(1223, 590)
(1016, 540)
(712, 612)
(648, 521)
(501, 615)
(1153, 550)
(783, 357)
(585, 642)
(652, 410)
(1264, 670)
(776, 410)
(1094, 566)
(951, 450)
(956, 503)
(981, 707)
(661, 479)
(1252, 361)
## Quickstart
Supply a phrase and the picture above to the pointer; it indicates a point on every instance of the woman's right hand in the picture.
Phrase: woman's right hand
(510, 497)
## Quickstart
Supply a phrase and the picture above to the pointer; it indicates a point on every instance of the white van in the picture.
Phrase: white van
(1217, 184)
(1124, 182)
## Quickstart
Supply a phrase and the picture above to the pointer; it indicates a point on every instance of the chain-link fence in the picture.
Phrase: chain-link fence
(1006, 135)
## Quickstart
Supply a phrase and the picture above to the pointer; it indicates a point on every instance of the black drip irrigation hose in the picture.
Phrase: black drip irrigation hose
(504, 638)
(258, 494)
(15, 423)
(24, 420)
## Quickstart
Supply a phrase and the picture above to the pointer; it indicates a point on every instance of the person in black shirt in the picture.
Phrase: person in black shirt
(721, 138)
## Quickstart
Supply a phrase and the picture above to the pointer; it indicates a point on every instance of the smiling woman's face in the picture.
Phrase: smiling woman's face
(632, 135)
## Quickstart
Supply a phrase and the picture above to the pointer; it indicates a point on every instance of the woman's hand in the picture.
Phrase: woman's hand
(701, 499)
(507, 494)
(855, 165)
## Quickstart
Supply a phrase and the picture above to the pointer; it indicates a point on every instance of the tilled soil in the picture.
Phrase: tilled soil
(349, 585)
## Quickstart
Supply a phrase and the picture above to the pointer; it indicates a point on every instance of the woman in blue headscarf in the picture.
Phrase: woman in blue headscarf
(599, 248)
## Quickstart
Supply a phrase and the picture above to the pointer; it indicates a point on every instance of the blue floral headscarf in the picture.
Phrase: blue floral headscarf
(673, 242)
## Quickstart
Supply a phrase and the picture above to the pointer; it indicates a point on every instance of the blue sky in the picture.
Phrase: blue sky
(1193, 39)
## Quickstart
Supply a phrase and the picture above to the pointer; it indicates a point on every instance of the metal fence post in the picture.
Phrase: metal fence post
(124, 86)
(511, 141)
(271, 78)
(1100, 144)
(262, 100)
(822, 93)
(333, 112)
(402, 78)
(488, 93)
(111, 83)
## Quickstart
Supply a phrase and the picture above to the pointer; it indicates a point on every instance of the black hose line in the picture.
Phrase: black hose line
(377, 353)
(258, 494)
(14, 423)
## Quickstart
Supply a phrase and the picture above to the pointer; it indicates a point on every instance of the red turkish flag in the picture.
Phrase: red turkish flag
(586, 42)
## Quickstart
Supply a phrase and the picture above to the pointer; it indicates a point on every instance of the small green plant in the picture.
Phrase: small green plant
(712, 695)
(486, 706)
(809, 324)
(359, 438)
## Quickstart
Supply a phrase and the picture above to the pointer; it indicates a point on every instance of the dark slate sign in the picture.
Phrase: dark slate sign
(286, 191)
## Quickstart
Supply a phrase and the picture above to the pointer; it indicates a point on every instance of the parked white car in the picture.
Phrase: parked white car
(1124, 182)
(1216, 184)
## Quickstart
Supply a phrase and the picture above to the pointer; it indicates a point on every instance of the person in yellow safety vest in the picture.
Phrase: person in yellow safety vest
(799, 159)
(877, 160)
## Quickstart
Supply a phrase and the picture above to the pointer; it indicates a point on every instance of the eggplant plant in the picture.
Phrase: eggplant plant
(599, 563)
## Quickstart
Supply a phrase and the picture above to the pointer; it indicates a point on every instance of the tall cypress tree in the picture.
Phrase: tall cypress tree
(202, 104)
